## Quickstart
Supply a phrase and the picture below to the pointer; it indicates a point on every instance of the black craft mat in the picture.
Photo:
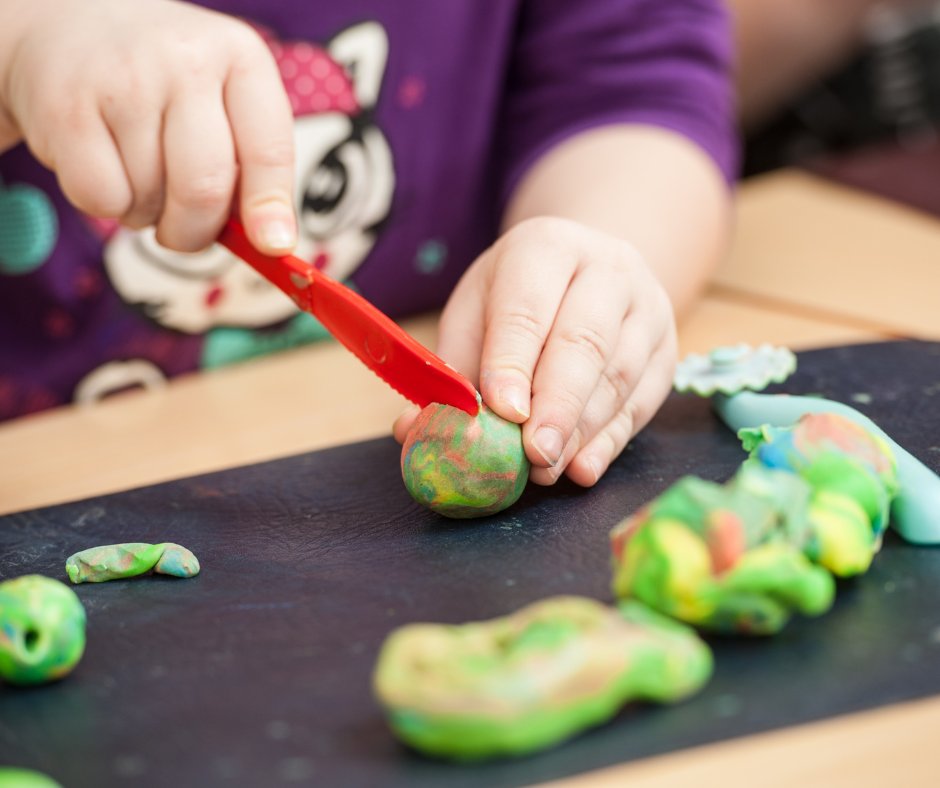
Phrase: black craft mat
(257, 672)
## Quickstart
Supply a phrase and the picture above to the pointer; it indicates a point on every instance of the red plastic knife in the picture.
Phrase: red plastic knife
(377, 341)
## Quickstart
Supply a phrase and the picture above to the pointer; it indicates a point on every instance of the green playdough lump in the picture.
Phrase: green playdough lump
(853, 476)
(114, 561)
(11, 777)
(524, 682)
(42, 630)
(727, 558)
(464, 466)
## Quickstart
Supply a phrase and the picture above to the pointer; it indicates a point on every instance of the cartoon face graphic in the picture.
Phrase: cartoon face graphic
(344, 186)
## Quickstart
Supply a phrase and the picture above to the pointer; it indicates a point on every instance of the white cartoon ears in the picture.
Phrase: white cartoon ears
(363, 51)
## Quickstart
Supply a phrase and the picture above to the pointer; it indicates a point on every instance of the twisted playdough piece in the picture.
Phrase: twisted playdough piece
(524, 682)
(728, 558)
(742, 556)
(733, 375)
(114, 561)
(853, 479)
(915, 507)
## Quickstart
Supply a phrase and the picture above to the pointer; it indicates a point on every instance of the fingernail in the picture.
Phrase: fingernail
(595, 465)
(516, 399)
(549, 444)
(277, 234)
(274, 226)
(411, 410)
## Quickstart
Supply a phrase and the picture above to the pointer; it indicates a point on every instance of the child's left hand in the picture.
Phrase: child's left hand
(566, 329)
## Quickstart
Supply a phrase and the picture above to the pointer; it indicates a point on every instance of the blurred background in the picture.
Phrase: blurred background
(849, 88)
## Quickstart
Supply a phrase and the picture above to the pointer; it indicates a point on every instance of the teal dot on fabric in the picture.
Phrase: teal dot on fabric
(230, 345)
(431, 256)
(28, 229)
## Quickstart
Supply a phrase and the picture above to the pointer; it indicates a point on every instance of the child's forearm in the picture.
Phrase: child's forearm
(646, 185)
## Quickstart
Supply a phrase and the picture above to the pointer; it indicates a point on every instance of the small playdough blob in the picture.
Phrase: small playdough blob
(115, 561)
(42, 630)
(464, 466)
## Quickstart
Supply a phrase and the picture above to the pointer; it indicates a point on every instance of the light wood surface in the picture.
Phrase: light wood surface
(834, 252)
(813, 265)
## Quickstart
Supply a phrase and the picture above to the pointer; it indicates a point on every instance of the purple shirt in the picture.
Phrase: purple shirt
(414, 120)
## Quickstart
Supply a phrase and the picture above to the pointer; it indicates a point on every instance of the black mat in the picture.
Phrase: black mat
(257, 672)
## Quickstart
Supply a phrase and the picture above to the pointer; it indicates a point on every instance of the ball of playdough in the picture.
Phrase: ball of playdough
(464, 466)
(42, 630)
(11, 777)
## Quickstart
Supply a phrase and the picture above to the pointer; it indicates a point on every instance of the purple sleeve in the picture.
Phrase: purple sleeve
(579, 65)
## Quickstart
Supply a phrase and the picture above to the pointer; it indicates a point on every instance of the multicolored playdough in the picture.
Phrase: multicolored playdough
(727, 558)
(11, 777)
(853, 479)
(464, 466)
(42, 630)
(114, 561)
(813, 499)
(733, 378)
(524, 682)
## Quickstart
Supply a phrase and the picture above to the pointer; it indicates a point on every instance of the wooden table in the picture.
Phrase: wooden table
(813, 264)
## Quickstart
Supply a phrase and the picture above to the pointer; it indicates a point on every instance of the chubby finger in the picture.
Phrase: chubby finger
(528, 280)
(137, 130)
(594, 458)
(262, 124)
(578, 350)
(461, 327)
(641, 333)
(200, 171)
(89, 167)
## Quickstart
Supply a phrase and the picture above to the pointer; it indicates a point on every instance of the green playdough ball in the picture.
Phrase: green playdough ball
(25, 778)
(464, 466)
(42, 630)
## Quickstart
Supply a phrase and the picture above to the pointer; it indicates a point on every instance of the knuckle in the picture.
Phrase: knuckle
(536, 231)
(522, 323)
(101, 196)
(565, 408)
(587, 342)
(244, 38)
(101, 201)
(546, 228)
(205, 192)
(277, 152)
(191, 57)
(619, 380)
(622, 426)
(73, 113)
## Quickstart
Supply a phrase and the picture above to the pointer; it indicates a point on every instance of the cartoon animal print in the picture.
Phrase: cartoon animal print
(344, 186)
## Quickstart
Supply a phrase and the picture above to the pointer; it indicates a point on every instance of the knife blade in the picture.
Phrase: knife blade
(375, 339)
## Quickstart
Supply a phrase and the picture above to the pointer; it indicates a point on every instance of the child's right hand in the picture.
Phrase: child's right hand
(154, 112)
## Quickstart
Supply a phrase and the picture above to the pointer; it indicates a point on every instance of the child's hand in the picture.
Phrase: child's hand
(154, 112)
(575, 317)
